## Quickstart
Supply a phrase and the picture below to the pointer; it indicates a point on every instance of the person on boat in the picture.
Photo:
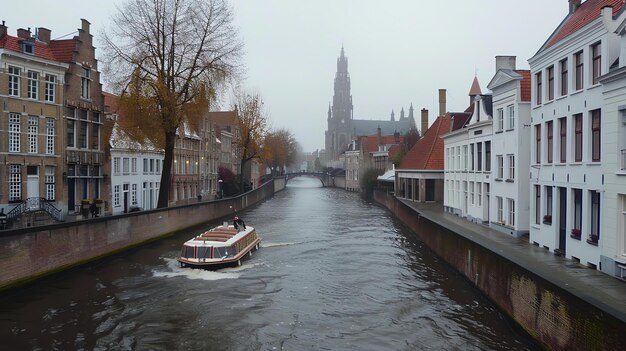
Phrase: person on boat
(238, 222)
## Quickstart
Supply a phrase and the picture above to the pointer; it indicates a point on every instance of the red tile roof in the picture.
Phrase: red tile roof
(223, 118)
(428, 152)
(475, 89)
(394, 150)
(63, 49)
(371, 142)
(585, 14)
(14, 44)
(525, 84)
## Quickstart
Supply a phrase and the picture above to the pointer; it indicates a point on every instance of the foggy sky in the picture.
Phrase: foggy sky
(399, 51)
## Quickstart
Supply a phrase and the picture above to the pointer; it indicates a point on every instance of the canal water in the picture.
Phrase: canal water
(334, 272)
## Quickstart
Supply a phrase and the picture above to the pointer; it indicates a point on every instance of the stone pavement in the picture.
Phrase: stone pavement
(599, 289)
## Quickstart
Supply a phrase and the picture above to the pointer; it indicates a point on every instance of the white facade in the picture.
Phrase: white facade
(352, 168)
(566, 167)
(135, 174)
(613, 214)
(467, 165)
(509, 198)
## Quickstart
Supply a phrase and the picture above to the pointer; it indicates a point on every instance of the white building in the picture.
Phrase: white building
(467, 161)
(613, 144)
(135, 173)
(508, 196)
(567, 180)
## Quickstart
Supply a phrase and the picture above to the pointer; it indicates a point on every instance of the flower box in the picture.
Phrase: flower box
(575, 233)
(547, 219)
(593, 239)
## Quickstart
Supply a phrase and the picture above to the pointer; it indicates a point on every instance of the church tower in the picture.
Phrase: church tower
(338, 134)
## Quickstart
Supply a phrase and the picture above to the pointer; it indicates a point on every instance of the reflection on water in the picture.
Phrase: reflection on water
(334, 272)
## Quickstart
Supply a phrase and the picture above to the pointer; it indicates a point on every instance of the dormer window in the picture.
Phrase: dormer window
(28, 47)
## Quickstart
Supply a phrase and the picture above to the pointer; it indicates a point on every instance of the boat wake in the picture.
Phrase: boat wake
(174, 270)
(277, 244)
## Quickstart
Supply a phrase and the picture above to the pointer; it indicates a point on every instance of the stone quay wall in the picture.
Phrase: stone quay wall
(30, 253)
(554, 317)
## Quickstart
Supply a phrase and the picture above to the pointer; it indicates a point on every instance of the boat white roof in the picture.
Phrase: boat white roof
(219, 236)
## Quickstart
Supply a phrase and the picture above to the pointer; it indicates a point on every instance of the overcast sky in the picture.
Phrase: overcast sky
(399, 51)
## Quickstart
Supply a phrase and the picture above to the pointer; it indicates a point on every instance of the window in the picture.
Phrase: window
(549, 132)
(71, 133)
(578, 78)
(500, 119)
(563, 65)
(49, 136)
(152, 166)
(82, 137)
(125, 165)
(28, 47)
(511, 110)
(145, 166)
(116, 165)
(511, 166)
(538, 144)
(538, 88)
(50, 88)
(549, 201)
(488, 156)
(499, 205)
(595, 214)
(33, 130)
(479, 155)
(15, 182)
(158, 166)
(596, 63)
(537, 204)
(563, 139)
(33, 81)
(471, 191)
(578, 138)
(14, 132)
(133, 165)
(85, 84)
(116, 195)
(471, 157)
(511, 206)
(133, 194)
(578, 208)
(550, 72)
(458, 158)
(49, 182)
(95, 136)
(595, 135)
(500, 160)
(479, 191)
(14, 81)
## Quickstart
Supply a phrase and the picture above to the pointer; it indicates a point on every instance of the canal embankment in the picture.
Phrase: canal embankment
(562, 304)
(31, 253)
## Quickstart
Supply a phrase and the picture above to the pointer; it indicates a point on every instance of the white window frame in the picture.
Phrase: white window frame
(49, 180)
(33, 131)
(511, 116)
(500, 119)
(15, 182)
(14, 81)
(49, 136)
(116, 195)
(14, 132)
(116, 165)
(50, 88)
(85, 83)
(511, 160)
(511, 213)
(32, 91)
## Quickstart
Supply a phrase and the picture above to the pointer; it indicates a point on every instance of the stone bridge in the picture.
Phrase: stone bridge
(326, 178)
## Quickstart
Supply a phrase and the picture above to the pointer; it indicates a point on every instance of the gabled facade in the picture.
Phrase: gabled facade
(354, 159)
(185, 182)
(31, 123)
(468, 160)
(510, 142)
(567, 109)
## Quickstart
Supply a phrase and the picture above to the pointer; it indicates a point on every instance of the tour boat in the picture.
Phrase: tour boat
(221, 246)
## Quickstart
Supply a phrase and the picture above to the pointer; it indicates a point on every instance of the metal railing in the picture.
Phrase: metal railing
(36, 204)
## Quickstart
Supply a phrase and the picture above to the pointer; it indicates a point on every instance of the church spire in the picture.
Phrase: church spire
(393, 115)
(411, 111)
(402, 114)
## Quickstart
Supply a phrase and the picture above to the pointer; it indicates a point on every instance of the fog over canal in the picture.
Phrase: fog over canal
(334, 272)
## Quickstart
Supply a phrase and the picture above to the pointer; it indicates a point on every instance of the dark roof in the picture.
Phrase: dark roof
(428, 152)
(587, 12)
(370, 127)
(459, 119)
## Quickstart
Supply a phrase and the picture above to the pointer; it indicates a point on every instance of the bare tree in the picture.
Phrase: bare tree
(168, 58)
(252, 129)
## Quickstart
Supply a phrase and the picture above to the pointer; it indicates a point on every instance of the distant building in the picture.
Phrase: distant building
(343, 128)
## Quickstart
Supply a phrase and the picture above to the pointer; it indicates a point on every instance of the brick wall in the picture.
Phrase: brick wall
(28, 254)
(554, 317)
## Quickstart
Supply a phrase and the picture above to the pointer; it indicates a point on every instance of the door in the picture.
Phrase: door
(32, 186)
(562, 219)
(71, 191)
(125, 197)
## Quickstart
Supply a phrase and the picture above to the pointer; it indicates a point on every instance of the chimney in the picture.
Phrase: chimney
(43, 35)
(442, 102)
(3, 30)
(84, 25)
(573, 5)
(505, 62)
(378, 136)
(424, 121)
(23, 33)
